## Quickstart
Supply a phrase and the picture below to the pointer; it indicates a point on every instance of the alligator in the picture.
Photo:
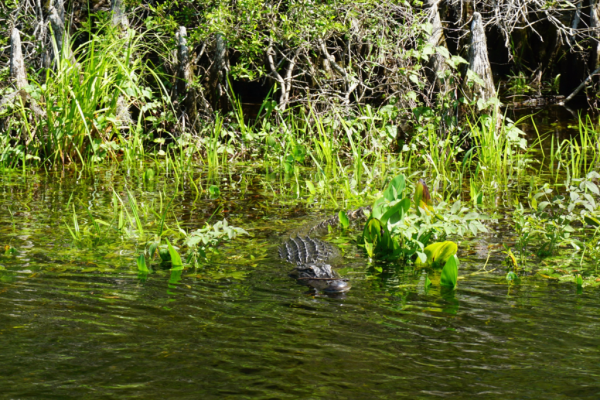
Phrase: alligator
(312, 256)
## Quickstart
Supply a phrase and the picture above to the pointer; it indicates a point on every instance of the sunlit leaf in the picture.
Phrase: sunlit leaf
(344, 221)
(214, 191)
(449, 276)
(396, 212)
(395, 188)
(175, 258)
(438, 253)
(141, 264)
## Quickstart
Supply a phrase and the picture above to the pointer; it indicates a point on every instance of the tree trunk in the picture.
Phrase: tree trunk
(185, 76)
(118, 14)
(57, 21)
(19, 75)
(219, 74)
(119, 19)
(595, 25)
(479, 62)
(435, 39)
(17, 64)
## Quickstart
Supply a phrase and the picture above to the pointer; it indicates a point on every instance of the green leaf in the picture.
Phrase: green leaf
(175, 258)
(579, 281)
(311, 187)
(439, 253)
(396, 212)
(592, 187)
(164, 254)
(379, 207)
(511, 277)
(370, 248)
(591, 220)
(450, 273)
(288, 164)
(422, 198)
(214, 191)
(141, 264)
(344, 221)
(395, 188)
(299, 153)
(372, 231)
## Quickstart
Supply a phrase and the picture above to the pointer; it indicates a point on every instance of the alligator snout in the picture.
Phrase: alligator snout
(338, 286)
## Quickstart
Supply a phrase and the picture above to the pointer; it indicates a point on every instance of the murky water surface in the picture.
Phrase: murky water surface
(77, 322)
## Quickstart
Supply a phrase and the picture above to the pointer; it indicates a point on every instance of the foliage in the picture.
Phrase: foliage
(557, 221)
(394, 232)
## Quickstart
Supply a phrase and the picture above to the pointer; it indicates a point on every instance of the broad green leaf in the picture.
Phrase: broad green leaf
(344, 221)
(299, 153)
(396, 212)
(372, 231)
(370, 249)
(579, 280)
(175, 258)
(438, 253)
(311, 187)
(377, 240)
(592, 187)
(141, 264)
(395, 188)
(164, 254)
(379, 207)
(214, 191)
(152, 249)
(288, 164)
(591, 220)
(455, 207)
(450, 273)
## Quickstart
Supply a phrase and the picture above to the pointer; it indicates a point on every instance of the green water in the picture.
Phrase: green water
(76, 321)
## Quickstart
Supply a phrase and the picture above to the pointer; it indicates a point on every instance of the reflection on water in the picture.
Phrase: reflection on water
(77, 322)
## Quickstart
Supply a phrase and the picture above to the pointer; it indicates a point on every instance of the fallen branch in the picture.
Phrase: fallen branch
(581, 86)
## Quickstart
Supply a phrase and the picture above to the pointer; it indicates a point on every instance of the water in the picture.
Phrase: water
(76, 321)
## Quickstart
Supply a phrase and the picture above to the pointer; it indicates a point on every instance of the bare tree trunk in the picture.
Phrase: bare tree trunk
(438, 62)
(118, 14)
(185, 76)
(595, 25)
(19, 75)
(219, 73)
(119, 19)
(17, 64)
(479, 62)
(57, 21)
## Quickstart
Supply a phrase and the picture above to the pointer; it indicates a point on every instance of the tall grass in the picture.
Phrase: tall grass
(577, 156)
(86, 95)
(500, 150)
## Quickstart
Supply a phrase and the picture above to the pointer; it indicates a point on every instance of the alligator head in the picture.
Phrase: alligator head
(311, 257)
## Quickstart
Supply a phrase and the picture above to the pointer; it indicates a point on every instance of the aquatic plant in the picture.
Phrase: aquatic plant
(394, 232)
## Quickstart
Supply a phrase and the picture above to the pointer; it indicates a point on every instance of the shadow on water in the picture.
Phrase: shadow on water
(76, 320)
